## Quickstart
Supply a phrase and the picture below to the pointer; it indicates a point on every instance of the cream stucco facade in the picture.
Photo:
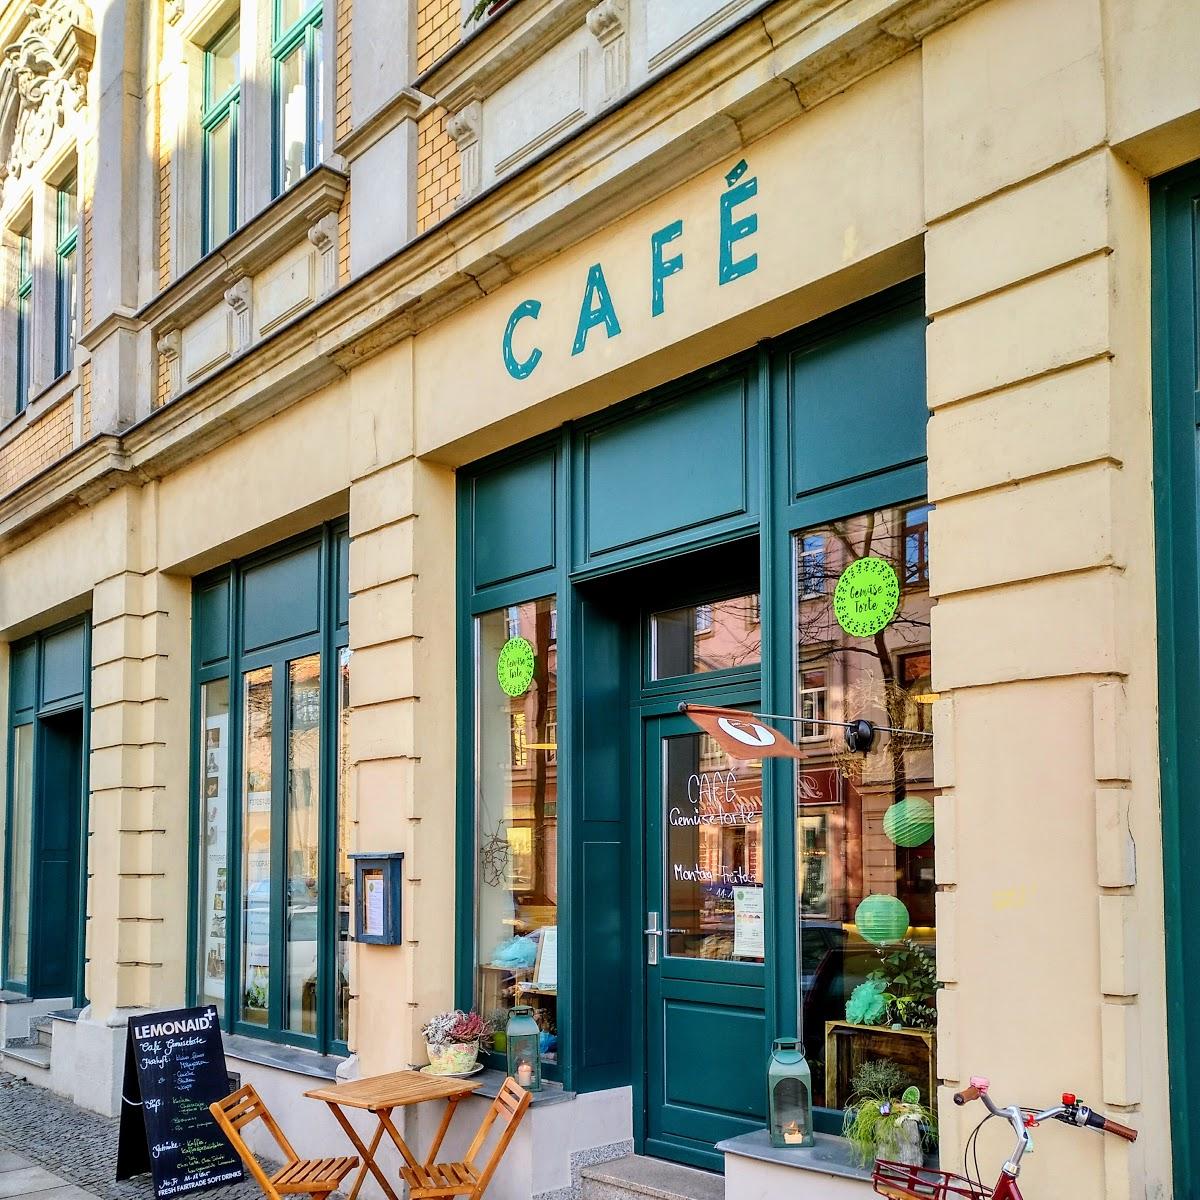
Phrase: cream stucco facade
(1001, 150)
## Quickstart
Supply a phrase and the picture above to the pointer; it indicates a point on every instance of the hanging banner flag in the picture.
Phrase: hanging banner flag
(739, 734)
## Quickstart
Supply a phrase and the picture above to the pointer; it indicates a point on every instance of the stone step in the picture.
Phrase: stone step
(44, 1032)
(27, 1059)
(635, 1175)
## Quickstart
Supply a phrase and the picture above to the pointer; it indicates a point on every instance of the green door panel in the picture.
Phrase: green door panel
(679, 467)
(57, 836)
(857, 400)
(62, 666)
(694, 1029)
(603, 964)
(212, 623)
(281, 598)
(513, 525)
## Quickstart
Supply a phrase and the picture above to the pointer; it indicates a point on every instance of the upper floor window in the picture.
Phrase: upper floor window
(66, 274)
(24, 318)
(916, 546)
(297, 70)
(218, 123)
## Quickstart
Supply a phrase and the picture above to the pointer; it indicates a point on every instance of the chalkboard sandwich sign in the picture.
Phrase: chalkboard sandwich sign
(174, 1069)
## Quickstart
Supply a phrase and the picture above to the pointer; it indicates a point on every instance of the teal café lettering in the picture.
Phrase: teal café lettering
(597, 307)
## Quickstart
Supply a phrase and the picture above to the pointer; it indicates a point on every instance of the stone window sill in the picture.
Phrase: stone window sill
(500, 47)
(282, 1058)
(830, 1156)
(261, 241)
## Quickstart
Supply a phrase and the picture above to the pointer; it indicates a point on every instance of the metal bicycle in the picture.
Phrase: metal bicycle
(899, 1181)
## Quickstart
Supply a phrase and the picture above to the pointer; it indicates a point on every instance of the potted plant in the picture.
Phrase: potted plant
(452, 1040)
(907, 982)
(885, 1118)
(485, 8)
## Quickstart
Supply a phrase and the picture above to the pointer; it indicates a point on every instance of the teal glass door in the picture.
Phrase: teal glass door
(704, 945)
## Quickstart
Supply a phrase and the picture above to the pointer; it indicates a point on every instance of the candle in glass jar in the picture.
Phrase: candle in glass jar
(524, 1074)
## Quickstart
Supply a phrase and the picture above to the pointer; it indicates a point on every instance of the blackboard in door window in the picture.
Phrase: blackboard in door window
(174, 1069)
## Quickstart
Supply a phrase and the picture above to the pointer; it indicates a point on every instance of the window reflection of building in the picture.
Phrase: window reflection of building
(517, 829)
(843, 852)
(706, 637)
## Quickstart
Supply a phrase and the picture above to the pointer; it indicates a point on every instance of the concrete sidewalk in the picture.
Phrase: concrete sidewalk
(19, 1176)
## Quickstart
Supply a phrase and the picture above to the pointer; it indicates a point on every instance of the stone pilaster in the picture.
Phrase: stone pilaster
(1041, 551)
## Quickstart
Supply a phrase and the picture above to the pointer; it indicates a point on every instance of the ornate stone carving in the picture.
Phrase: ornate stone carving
(43, 80)
(609, 23)
(324, 235)
(464, 127)
(170, 349)
(239, 298)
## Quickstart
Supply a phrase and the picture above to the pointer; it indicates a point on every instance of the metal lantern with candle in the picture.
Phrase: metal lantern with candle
(789, 1095)
(524, 1048)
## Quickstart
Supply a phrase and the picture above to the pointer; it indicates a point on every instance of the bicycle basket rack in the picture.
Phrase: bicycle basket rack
(898, 1181)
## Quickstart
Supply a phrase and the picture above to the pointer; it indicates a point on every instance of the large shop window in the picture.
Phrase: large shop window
(865, 820)
(273, 882)
(516, 787)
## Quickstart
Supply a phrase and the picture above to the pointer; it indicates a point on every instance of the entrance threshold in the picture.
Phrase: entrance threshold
(636, 1175)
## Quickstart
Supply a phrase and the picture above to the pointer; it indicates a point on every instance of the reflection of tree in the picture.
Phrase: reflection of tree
(541, 759)
(820, 638)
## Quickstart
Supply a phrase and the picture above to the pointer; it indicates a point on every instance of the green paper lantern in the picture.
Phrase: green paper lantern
(909, 822)
(881, 919)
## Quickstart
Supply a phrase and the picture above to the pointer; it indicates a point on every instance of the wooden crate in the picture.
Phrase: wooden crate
(848, 1046)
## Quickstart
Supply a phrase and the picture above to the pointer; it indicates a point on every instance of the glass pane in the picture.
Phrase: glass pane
(24, 349)
(713, 817)
(865, 820)
(293, 117)
(65, 316)
(223, 67)
(20, 839)
(706, 637)
(256, 844)
(290, 11)
(68, 208)
(303, 842)
(219, 181)
(24, 260)
(345, 868)
(517, 789)
(213, 883)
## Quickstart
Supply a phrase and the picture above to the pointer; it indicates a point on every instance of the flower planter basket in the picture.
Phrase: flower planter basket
(454, 1058)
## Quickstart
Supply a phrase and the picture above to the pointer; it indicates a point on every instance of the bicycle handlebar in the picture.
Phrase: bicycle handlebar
(1070, 1112)
(1111, 1126)
(966, 1095)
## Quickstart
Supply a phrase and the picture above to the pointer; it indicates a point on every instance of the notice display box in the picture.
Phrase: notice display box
(377, 916)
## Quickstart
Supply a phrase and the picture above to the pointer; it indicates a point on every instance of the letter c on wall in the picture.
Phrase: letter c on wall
(522, 368)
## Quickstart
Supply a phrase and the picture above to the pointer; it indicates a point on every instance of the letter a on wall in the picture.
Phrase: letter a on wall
(739, 734)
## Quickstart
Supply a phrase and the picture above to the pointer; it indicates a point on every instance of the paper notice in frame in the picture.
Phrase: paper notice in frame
(372, 882)
(748, 935)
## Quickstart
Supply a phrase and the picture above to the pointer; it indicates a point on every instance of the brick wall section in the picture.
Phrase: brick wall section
(344, 239)
(162, 382)
(164, 220)
(438, 170)
(341, 99)
(439, 27)
(44, 442)
(85, 401)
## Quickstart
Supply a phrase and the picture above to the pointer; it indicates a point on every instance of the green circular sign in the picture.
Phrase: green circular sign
(866, 597)
(514, 667)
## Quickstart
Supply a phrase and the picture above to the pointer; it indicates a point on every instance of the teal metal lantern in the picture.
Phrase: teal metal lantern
(881, 919)
(523, 1040)
(909, 822)
(789, 1095)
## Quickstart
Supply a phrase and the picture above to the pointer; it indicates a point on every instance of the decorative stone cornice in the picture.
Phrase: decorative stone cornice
(43, 80)
(609, 25)
(407, 105)
(463, 128)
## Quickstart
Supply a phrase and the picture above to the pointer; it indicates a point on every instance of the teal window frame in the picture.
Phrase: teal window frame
(215, 111)
(24, 363)
(301, 34)
(777, 505)
(66, 265)
(329, 642)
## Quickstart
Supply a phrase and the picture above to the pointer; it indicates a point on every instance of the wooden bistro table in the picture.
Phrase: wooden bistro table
(380, 1095)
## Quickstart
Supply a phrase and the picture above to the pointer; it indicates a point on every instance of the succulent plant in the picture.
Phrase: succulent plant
(449, 1028)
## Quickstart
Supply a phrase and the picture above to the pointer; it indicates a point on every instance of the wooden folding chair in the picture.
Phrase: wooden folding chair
(299, 1176)
(435, 1180)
